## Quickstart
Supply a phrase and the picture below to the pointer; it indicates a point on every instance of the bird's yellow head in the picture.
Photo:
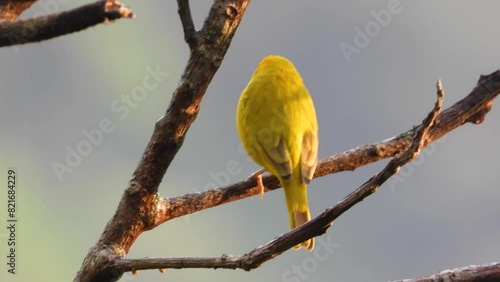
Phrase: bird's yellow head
(274, 65)
(274, 60)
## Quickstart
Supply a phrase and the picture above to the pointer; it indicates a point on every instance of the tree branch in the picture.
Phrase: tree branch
(51, 26)
(138, 206)
(476, 273)
(315, 227)
(190, 34)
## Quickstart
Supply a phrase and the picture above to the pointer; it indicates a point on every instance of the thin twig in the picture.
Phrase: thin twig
(472, 273)
(190, 34)
(51, 26)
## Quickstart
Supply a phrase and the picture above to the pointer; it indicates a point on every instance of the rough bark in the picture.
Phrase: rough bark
(138, 207)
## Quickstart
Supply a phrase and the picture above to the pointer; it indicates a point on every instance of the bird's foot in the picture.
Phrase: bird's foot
(260, 184)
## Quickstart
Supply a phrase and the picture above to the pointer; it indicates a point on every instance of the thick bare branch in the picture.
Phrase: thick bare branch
(48, 27)
(138, 207)
(472, 273)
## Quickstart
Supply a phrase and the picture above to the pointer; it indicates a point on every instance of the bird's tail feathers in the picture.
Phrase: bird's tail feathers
(298, 209)
(300, 218)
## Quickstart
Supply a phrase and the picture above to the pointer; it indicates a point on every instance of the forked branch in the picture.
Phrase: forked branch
(139, 205)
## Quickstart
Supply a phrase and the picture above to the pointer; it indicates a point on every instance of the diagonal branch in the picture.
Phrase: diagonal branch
(315, 227)
(472, 108)
(51, 26)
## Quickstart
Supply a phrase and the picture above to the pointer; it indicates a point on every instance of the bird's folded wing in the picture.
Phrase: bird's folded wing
(277, 155)
(309, 156)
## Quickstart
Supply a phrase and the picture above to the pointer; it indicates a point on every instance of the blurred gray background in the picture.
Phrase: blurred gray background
(440, 212)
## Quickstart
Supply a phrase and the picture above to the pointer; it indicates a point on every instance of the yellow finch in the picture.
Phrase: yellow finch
(277, 125)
